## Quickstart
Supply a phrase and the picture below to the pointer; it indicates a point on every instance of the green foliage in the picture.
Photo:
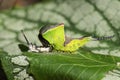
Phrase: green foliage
(66, 66)
(6, 65)
(81, 18)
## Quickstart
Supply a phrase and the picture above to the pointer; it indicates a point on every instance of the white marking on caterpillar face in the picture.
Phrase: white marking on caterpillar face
(34, 48)
(44, 49)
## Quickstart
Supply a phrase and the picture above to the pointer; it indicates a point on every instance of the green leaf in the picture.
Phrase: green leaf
(81, 18)
(7, 66)
(66, 66)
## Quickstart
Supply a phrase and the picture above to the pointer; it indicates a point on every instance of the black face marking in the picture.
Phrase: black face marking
(44, 42)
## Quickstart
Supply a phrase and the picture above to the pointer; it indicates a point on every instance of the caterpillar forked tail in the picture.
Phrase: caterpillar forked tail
(103, 38)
